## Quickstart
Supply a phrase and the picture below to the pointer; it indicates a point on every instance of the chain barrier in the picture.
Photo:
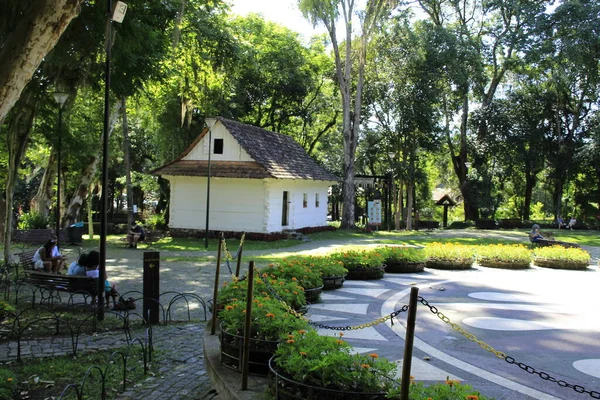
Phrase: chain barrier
(529, 369)
(228, 255)
(329, 327)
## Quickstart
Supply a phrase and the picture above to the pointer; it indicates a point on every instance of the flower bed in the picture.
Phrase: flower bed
(402, 259)
(362, 264)
(309, 366)
(449, 256)
(503, 256)
(289, 291)
(561, 258)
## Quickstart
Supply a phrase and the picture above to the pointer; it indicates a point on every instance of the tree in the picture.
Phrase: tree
(35, 34)
(327, 12)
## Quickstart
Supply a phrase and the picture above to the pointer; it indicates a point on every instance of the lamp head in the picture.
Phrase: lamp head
(60, 98)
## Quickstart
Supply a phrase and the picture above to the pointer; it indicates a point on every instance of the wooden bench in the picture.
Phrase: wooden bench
(38, 236)
(48, 284)
(26, 259)
(551, 242)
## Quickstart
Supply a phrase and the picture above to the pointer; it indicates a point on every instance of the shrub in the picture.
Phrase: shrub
(297, 270)
(290, 292)
(32, 220)
(403, 254)
(326, 265)
(156, 221)
(560, 253)
(328, 362)
(270, 319)
(518, 256)
(360, 258)
(449, 252)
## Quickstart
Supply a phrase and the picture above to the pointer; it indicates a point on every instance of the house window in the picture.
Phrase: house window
(317, 200)
(305, 200)
(218, 146)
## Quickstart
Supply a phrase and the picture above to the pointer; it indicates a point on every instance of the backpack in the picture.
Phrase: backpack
(125, 304)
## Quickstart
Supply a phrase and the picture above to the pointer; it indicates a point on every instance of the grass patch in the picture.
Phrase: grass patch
(42, 378)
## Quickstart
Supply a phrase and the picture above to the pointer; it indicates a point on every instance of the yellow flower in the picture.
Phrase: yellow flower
(9, 379)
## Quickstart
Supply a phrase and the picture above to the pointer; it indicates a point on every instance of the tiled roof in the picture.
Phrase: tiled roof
(223, 169)
(278, 155)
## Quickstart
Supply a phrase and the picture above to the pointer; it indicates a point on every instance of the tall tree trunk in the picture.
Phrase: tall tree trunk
(409, 204)
(530, 180)
(76, 203)
(398, 201)
(40, 203)
(19, 128)
(25, 48)
(127, 161)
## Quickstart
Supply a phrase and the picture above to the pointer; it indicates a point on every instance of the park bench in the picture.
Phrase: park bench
(26, 259)
(38, 236)
(49, 285)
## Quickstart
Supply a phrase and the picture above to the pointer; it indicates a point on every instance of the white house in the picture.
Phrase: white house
(258, 181)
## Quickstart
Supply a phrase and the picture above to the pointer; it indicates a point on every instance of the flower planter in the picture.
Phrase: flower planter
(503, 264)
(333, 282)
(559, 264)
(260, 353)
(284, 388)
(449, 264)
(312, 295)
(359, 273)
(404, 267)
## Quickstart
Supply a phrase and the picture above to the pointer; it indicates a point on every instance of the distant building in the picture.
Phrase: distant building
(260, 181)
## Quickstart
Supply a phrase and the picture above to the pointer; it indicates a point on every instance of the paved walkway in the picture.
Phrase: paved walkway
(182, 374)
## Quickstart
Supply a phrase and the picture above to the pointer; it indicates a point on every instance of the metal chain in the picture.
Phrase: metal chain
(579, 389)
(228, 255)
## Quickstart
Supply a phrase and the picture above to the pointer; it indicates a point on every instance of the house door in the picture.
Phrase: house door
(285, 211)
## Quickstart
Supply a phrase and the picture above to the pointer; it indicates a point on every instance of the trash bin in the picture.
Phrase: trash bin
(75, 233)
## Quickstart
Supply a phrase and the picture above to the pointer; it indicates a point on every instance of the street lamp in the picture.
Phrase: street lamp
(60, 99)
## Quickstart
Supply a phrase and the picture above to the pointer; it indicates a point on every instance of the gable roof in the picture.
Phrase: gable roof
(275, 156)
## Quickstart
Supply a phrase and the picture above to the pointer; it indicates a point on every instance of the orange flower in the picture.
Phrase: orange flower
(229, 307)
(341, 334)
(291, 336)
(450, 382)
(365, 366)
(294, 279)
(291, 341)
(472, 397)
(9, 379)
(374, 355)
(303, 354)
(244, 311)
(302, 331)
(270, 315)
(340, 341)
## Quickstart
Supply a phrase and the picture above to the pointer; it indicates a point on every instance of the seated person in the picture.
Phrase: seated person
(535, 235)
(62, 263)
(43, 259)
(78, 267)
(92, 265)
(560, 222)
(572, 223)
(135, 235)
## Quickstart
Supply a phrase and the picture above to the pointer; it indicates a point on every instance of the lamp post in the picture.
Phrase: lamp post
(60, 99)
(210, 122)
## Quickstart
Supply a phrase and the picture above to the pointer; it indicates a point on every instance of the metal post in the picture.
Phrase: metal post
(213, 325)
(104, 200)
(408, 342)
(58, 162)
(208, 189)
(247, 326)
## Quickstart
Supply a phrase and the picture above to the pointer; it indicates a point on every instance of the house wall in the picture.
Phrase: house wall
(235, 204)
(245, 205)
(232, 151)
(299, 216)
